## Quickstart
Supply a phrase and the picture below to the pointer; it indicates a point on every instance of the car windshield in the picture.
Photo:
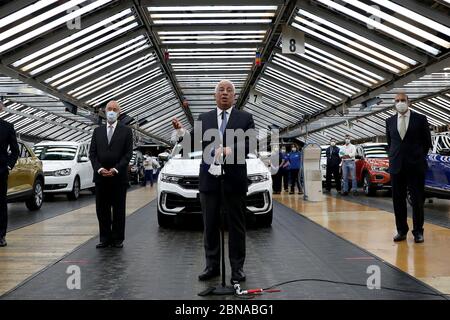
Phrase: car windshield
(376, 151)
(59, 153)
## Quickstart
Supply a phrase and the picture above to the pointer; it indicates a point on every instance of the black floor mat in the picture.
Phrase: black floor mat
(163, 264)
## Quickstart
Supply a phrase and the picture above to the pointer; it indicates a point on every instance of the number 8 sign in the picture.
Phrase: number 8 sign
(293, 41)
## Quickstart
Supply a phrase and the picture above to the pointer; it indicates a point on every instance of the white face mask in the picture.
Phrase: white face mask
(333, 143)
(111, 116)
(347, 141)
(401, 107)
(294, 149)
(283, 150)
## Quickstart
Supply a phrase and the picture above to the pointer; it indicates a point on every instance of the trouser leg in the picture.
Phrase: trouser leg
(399, 187)
(210, 203)
(416, 185)
(119, 215)
(3, 204)
(103, 201)
(235, 213)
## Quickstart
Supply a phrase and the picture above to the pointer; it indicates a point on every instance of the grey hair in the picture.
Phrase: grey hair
(217, 85)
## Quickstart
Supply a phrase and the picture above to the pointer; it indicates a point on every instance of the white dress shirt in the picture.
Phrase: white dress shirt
(114, 125)
(407, 115)
(219, 116)
(349, 150)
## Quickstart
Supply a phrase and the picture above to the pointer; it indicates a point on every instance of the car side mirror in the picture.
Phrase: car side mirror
(84, 159)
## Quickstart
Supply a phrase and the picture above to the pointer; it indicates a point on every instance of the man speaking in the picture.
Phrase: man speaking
(234, 180)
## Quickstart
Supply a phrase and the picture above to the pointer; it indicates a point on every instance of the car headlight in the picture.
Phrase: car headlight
(169, 178)
(255, 178)
(62, 172)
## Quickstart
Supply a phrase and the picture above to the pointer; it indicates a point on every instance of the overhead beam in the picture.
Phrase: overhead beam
(284, 12)
(426, 11)
(142, 12)
(178, 3)
(212, 27)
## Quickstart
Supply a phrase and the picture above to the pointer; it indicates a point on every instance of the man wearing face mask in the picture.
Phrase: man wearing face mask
(333, 162)
(348, 153)
(110, 152)
(409, 139)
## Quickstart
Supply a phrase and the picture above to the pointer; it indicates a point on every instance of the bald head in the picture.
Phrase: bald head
(112, 111)
(225, 94)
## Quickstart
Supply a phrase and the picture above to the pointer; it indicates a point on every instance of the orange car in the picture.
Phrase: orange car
(372, 167)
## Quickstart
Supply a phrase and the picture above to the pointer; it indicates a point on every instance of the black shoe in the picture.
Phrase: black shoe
(237, 275)
(345, 193)
(291, 192)
(3, 242)
(102, 245)
(209, 273)
(419, 238)
(117, 244)
(399, 237)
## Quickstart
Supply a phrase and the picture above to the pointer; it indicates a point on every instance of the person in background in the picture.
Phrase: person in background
(348, 153)
(284, 169)
(333, 162)
(409, 139)
(7, 162)
(295, 160)
(150, 166)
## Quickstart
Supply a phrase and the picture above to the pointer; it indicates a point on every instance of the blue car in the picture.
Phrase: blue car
(437, 179)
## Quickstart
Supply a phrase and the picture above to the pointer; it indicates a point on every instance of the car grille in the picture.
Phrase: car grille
(192, 205)
(189, 182)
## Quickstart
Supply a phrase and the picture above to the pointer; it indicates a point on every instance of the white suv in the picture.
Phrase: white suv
(66, 167)
(178, 193)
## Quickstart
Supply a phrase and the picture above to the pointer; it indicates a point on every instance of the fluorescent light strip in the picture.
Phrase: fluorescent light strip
(85, 71)
(343, 61)
(213, 69)
(79, 90)
(341, 69)
(211, 64)
(200, 32)
(213, 57)
(128, 85)
(83, 49)
(116, 74)
(108, 54)
(210, 41)
(151, 100)
(212, 54)
(434, 111)
(303, 73)
(432, 120)
(38, 19)
(346, 48)
(400, 23)
(25, 12)
(442, 104)
(353, 43)
(206, 37)
(414, 16)
(294, 82)
(53, 24)
(210, 49)
(212, 15)
(158, 85)
(381, 26)
(213, 21)
(273, 90)
(70, 38)
(299, 65)
(358, 37)
(210, 8)
(72, 46)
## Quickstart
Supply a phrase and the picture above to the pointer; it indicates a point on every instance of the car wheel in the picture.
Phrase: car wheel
(35, 201)
(265, 220)
(165, 221)
(369, 190)
(75, 193)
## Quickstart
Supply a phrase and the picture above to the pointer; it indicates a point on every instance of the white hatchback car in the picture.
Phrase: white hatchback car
(66, 167)
(178, 193)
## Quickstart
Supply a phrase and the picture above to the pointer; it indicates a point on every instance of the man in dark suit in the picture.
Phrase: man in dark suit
(409, 139)
(235, 181)
(333, 162)
(110, 152)
(7, 163)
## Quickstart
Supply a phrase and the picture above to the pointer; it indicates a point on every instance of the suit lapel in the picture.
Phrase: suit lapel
(115, 134)
(232, 119)
(395, 125)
